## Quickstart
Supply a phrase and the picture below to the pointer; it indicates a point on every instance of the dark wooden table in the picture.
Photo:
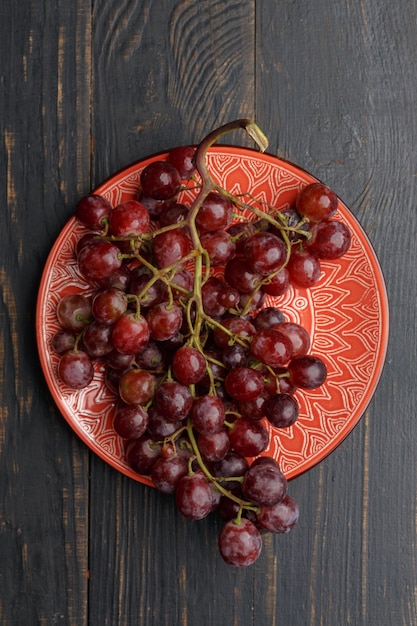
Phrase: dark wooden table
(87, 88)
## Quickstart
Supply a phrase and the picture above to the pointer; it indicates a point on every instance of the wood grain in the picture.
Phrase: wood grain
(87, 88)
(44, 164)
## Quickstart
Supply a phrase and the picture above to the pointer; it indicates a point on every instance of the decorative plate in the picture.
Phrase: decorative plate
(346, 314)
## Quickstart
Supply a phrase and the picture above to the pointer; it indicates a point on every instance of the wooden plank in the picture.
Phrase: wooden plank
(335, 95)
(165, 74)
(44, 163)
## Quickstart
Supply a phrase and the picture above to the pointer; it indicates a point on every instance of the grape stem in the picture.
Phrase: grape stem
(208, 185)
(243, 504)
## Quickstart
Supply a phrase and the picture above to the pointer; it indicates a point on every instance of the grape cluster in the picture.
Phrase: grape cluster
(197, 361)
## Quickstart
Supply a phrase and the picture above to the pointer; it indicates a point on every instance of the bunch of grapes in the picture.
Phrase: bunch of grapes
(197, 361)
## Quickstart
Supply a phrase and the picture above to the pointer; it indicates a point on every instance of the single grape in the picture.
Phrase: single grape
(252, 301)
(99, 260)
(240, 275)
(93, 211)
(193, 496)
(63, 341)
(170, 247)
(118, 361)
(235, 356)
(317, 202)
(280, 517)
(264, 484)
(164, 320)
(219, 246)
(281, 410)
(160, 180)
(181, 283)
(74, 312)
(167, 472)
(137, 386)
(108, 305)
(233, 328)
(240, 542)
(248, 437)
(268, 317)
(214, 446)
(298, 336)
(142, 453)
(303, 268)
(119, 279)
(232, 465)
(130, 333)
(208, 414)
(174, 400)
(210, 292)
(277, 284)
(244, 383)
(299, 225)
(228, 297)
(329, 240)
(174, 215)
(307, 371)
(97, 339)
(188, 365)
(129, 218)
(265, 252)
(271, 347)
(130, 422)
(75, 369)
(182, 158)
(159, 426)
(215, 213)
(151, 357)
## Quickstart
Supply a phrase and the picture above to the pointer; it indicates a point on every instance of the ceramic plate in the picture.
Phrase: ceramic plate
(346, 314)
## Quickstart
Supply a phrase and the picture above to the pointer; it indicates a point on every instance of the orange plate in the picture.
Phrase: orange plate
(346, 314)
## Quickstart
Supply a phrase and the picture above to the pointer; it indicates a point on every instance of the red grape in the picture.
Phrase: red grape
(244, 383)
(329, 240)
(128, 219)
(99, 260)
(182, 158)
(215, 213)
(93, 211)
(130, 422)
(317, 202)
(240, 543)
(75, 369)
(248, 437)
(307, 371)
(167, 472)
(265, 252)
(137, 386)
(164, 320)
(303, 268)
(160, 180)
(188, 365)
(130, 333)
(193, 496)
(280, 517)
(271, 347)
(264, 484)
(74, 312)
(208, 414)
